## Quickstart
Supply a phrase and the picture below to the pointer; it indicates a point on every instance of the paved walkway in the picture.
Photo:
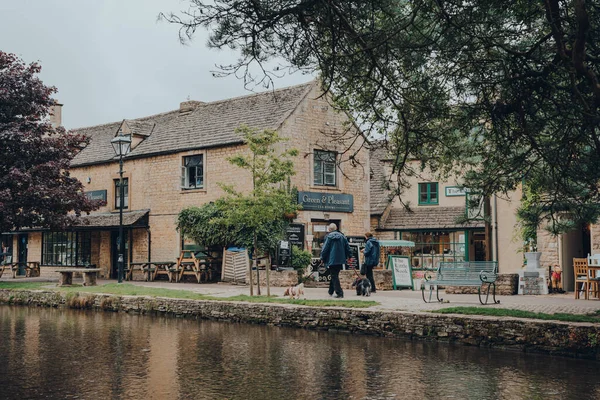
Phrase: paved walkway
(402, 300)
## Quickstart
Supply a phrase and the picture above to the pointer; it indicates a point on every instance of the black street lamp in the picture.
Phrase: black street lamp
(121, 144)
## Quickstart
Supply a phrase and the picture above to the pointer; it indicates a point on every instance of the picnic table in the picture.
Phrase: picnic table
(152, 269)
(32, 268)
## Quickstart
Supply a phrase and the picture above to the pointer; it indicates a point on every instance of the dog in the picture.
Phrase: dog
(363, 286)
(294, 292)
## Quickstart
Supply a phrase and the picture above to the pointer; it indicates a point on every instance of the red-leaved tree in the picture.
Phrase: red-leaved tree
(36, 189)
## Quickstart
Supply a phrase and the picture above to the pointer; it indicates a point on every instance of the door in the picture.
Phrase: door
(22, 250)
(114, 249)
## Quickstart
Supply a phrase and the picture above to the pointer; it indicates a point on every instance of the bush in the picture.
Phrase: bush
(300, 260)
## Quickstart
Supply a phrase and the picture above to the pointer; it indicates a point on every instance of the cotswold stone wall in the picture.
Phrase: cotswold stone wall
(573, 340)
(382, 277)
(506, 285)
(276, 278)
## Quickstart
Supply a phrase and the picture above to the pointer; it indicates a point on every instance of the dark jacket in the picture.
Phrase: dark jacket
(372, 252)
(336, 249)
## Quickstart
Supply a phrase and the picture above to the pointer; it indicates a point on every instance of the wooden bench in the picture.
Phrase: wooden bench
(89, 276)
(467, 273)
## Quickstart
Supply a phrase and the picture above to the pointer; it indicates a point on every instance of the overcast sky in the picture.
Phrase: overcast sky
(111, 59)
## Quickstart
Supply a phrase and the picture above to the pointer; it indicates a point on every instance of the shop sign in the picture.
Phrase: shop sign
(295, 235)
(284, 254)
(316, 201)
(96, 195)
(453, 191)
(401, 271)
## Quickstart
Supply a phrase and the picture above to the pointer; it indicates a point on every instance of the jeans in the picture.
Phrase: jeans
(369, 273)
(334, 283)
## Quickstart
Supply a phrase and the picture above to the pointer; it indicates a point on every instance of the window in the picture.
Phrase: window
(433, 247)
(192, 174)
(66, 248)
(118, 193)
(428, 193)
(324, 168)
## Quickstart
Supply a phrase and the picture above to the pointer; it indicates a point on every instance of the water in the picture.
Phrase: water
(66, 354)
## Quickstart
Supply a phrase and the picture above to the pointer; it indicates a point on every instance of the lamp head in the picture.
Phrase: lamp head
(121, 144)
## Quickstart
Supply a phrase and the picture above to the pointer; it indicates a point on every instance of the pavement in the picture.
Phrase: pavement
(400, 300)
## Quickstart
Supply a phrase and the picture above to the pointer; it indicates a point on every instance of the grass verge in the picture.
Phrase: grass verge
(126, 289)
(505, 312)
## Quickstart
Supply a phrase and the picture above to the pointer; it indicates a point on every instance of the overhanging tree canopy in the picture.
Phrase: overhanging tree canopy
(36, 189)
(506, 89)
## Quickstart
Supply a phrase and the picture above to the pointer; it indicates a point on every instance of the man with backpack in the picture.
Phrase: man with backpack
(371, 253)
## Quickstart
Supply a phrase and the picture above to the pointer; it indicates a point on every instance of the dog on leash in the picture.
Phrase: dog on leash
(294, 292)
(363, 286)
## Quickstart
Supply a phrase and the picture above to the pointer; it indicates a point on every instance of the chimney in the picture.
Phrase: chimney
(189, 105)
(56, 115)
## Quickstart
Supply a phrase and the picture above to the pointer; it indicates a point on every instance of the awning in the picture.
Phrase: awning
(131, 219)
(396, 243)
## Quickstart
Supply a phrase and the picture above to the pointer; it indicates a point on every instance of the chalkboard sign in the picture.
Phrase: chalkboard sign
(284, 254)
(295, 235)
(401, 271)
(354, 262)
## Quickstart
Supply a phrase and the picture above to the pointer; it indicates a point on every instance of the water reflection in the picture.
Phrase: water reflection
(49, 353)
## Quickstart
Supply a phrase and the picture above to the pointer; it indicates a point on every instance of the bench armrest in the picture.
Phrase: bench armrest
(488, 276)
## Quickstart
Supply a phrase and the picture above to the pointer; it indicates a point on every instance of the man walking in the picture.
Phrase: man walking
(335, 254)
(371, 252)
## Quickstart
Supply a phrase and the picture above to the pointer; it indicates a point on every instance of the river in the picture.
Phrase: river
(69, 354)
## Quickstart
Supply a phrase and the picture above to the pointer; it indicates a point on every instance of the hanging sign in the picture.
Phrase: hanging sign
(401, 271)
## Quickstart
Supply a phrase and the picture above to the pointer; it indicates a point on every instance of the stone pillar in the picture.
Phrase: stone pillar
(66, 278)
(89, 278)
(533, 279)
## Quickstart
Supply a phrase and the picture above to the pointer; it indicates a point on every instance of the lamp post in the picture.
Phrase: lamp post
(121, 144)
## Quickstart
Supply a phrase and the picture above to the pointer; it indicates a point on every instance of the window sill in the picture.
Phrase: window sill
(184, 191)
(429, 204)
(325, 188)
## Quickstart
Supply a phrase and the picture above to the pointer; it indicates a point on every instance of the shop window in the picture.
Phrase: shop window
(192, 172)
(324, 168)
(428, 193)
(118, 194)
(433, 247)
(66, 248)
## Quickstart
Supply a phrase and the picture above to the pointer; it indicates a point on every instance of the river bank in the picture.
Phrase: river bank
(581, 340)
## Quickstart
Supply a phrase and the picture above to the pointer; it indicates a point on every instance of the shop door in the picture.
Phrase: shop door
(480, 245)
(22, 250)
(114, 240)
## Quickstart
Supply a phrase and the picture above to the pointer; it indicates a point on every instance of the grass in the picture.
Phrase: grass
(505, 312)
(126, 289)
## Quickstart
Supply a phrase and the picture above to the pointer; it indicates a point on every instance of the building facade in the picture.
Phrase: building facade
(178, 159)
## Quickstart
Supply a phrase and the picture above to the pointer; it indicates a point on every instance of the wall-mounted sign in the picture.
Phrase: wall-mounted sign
(96, 195)
(401, 271)
(295, 235)
(316, 201)
(453, 191)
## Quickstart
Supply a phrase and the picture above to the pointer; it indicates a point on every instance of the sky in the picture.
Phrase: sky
(112, 60)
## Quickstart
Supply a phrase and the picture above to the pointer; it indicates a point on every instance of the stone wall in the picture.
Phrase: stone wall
(506, 285)
(276, 278)
(382, 277)
(558, 338)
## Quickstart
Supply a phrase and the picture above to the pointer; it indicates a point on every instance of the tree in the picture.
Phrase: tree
(255, 219)
(36, 189)
(503, 89)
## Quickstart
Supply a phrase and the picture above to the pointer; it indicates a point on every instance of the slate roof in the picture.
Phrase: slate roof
(208, 125)
(380, 195)
(110, 220)
(428, 218)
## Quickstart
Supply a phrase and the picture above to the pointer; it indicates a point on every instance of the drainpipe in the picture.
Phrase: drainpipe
(495, 228)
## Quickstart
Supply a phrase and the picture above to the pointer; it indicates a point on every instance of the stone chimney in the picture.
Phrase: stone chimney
(189, 105)
(56, 115)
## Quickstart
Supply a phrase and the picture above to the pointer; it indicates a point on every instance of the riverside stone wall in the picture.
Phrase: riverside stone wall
(506, 285)
(559, 338)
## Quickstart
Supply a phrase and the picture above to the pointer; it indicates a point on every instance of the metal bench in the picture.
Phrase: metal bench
(467, 273)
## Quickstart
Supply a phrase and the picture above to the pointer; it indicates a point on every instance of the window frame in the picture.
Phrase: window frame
(185, 175)
(319, 159)
(429, 202)
(66, 248)
(118, 192)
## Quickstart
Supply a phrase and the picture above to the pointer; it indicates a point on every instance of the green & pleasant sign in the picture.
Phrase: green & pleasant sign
(317, 201)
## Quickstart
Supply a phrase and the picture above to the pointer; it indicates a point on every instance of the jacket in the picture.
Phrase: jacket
(372, 252)
(336, 249)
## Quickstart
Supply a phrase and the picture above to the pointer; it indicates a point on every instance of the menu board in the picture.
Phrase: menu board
(284, 253)
(295, 235)
(354, 261)
(401, 271)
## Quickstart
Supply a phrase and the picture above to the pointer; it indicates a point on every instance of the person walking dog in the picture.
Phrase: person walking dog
(371, 253)
(335, 254)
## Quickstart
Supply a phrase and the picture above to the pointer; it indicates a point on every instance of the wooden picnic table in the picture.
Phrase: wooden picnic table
(32, 268)
(152, 269)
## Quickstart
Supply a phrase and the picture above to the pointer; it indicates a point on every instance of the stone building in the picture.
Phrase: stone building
(432, 214)
(177, 160)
